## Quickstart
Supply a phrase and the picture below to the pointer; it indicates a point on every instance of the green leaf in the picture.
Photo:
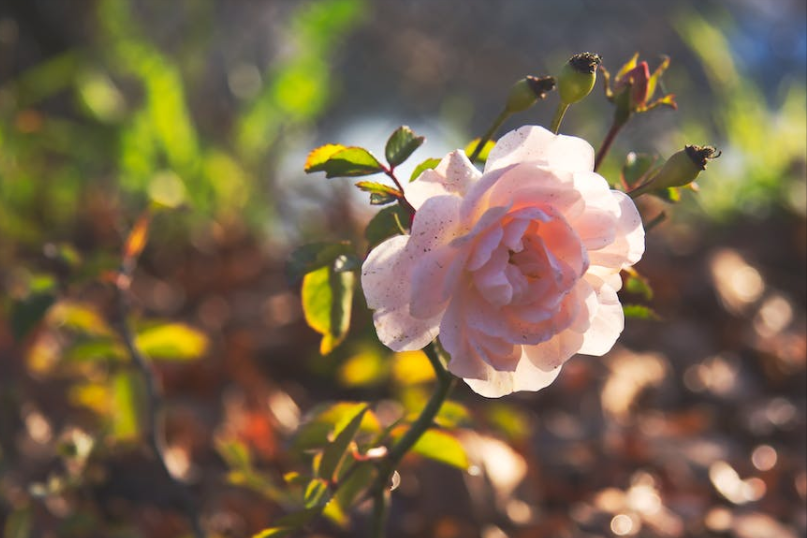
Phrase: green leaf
(360, 478)
(380, 194)
(28, 312)
(315, 493)
(323, 420)
(637, 284)
(452, 415)
(443, 447)
(80, 318)
(390, 221)
(637, 168)
(483, 155)
(335, 451)
(347, 162)
(428, 164)
(127, 393)
(172, 342)
(639, 312)
(327, 297)
(401, 144)
(510, 420)
(313, 256)
(99, 349)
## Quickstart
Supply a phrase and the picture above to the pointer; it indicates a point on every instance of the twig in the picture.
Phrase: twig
(152, 431)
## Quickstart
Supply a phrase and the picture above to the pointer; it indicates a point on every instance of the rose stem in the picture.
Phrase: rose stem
(559, 113)
(445, 382)
(390, 172)
(489, 134)
(606, 144)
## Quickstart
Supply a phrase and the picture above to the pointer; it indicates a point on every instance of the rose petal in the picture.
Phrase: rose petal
(526, 377)
(607, 321)
(536, 144)
(452, 176)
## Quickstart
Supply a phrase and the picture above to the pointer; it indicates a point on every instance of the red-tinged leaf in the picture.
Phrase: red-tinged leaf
(629, 65)
(138, 238)
(380, 194)
(320, 156)
(654, 78)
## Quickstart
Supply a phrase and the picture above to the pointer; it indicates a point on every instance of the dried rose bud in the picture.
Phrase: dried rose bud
(683, 167)
(577, 77)
(527, 91)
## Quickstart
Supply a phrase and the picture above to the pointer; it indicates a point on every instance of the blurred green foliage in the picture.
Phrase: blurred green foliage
(764, 145)
(113, 122)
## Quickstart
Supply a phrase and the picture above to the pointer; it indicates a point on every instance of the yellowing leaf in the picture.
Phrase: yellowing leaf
(78, 317)
(127, 392)
(441, 446)
(483, 154)
(412, 367)
(173, 341)
(320, 155)
(327, 297)
(347, 162)
(363, 369)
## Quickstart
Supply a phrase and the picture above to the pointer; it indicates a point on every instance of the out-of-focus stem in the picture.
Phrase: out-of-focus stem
(489, 134)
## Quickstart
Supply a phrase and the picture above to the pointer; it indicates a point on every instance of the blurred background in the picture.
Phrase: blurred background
(695, 425)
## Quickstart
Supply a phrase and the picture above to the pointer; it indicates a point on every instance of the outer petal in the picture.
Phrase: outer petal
(380, 280)
(386, 280)
(536, 144)
(606, 322)
(628, 245)
(453, 175)
(525, 377)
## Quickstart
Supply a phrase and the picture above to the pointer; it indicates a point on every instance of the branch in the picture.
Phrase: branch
(152, 431)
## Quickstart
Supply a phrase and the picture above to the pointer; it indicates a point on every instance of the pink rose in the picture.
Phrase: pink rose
(515, 269)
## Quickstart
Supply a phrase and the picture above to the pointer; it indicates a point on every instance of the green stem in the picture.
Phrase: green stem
(559, 113)
(489, 134)
(445, 382)
(606, 144)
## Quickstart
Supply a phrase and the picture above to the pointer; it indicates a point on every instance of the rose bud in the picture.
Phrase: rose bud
(528, 91)
(577, 77)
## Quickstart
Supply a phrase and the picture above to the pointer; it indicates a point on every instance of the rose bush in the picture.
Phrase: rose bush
(515, 269)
